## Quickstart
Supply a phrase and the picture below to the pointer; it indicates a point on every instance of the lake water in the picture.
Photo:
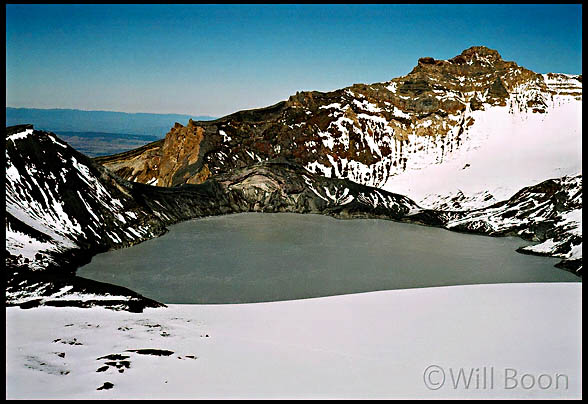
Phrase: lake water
(256, 257)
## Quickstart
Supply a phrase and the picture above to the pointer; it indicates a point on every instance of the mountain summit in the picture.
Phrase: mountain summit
(475, 56)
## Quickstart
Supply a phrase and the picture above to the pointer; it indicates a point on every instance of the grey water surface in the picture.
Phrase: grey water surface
(257, 257)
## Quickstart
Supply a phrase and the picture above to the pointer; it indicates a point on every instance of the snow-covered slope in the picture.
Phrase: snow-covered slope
(62, 208)
(507, 148)
(549, 212)
(58, 200)
(370, 345)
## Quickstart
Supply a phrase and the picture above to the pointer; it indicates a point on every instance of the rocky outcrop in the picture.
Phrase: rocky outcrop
(140, 165)
(184, 149)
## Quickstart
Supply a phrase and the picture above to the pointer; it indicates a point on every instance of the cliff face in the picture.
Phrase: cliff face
(365, 133)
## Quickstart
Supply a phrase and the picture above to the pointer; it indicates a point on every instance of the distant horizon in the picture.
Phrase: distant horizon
(220, 59)
(121, 112)
(99, 121)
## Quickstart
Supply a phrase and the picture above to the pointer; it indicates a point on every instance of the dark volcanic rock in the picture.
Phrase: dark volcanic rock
(154, 352)
(106, 386)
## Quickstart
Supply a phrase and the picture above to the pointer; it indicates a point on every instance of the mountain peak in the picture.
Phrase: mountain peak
(480, 52)
(475, 55)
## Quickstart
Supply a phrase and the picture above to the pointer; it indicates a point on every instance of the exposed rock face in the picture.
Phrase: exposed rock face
(365, 133)
(280, 186)
(183, 162)
(141, 164)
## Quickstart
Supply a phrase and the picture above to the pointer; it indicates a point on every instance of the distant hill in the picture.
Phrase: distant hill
(74, 120)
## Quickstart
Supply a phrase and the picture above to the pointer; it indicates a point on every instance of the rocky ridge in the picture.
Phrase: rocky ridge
(365, 133)
(549, 213)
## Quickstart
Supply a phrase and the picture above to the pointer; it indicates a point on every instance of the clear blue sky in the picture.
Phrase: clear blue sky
(214, 60)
